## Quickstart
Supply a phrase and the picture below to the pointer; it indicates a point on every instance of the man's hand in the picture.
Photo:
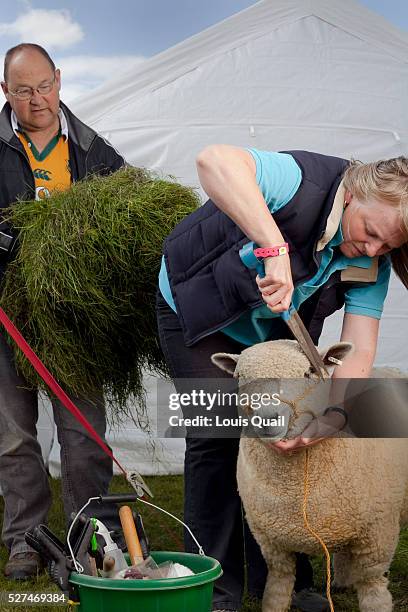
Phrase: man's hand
(319, 429)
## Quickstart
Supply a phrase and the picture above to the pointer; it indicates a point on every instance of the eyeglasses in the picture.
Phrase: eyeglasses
(26, 93)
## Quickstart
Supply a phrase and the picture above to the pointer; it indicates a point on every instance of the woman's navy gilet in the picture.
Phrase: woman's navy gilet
(211, 286)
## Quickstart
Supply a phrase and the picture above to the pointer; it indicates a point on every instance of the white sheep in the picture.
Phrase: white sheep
(358, 497)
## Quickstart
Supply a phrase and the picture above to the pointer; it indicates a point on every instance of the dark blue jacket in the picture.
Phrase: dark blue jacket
(210, 285)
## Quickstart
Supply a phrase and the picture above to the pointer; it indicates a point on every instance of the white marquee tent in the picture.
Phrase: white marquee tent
(323, 75)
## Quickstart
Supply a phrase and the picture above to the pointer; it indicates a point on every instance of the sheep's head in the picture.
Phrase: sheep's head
(281, 371)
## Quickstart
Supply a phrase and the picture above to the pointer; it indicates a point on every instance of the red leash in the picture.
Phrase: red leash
(53, 385)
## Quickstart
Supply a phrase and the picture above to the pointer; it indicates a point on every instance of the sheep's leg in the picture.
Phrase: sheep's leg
(280, 581)
(369, 563)
(373, 595)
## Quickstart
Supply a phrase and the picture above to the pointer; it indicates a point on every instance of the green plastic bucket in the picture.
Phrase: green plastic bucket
(188, 594)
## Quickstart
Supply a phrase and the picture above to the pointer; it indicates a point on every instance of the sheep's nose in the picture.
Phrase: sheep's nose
(271, 424)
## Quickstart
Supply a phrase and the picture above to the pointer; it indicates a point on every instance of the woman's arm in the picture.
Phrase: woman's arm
(362, 332)
(228, 176)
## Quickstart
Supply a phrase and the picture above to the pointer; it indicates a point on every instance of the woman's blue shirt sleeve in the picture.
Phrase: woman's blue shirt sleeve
(369, 300)
(278, 177)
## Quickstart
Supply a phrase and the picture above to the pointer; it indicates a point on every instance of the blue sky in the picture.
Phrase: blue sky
(92, 40)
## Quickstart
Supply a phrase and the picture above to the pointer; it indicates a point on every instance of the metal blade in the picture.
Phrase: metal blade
(295, 324)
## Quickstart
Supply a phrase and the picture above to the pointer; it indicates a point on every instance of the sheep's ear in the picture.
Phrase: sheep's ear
(225, 361)
(335, 354)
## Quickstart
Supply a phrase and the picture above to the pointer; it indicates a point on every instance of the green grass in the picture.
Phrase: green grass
(87, 268)
(166, 534)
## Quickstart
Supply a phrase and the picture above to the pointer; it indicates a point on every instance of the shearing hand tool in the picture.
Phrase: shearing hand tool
(290, 316)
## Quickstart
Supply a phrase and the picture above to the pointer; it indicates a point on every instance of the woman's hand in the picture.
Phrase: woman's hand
(319, 429)
(277, 285)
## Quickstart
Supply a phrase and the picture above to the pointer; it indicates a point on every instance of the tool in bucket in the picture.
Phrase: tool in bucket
(132, 476)
(55, 555)
(252, 258)
(130, 534)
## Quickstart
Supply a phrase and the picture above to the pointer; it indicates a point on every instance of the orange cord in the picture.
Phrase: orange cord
(316, 535)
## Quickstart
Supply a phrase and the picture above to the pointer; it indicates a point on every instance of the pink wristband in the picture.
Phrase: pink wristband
(281, 249)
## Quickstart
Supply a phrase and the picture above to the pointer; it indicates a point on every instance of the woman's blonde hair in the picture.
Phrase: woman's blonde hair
(385, 180)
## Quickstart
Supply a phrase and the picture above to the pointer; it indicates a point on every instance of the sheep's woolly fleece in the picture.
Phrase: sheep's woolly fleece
(357, 504)
(265, 358)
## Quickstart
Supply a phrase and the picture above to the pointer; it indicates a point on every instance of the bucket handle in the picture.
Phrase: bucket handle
(200, 548)
(78, 567)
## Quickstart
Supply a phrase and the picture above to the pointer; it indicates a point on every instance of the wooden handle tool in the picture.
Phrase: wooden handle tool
(130, 534)
(92, 565)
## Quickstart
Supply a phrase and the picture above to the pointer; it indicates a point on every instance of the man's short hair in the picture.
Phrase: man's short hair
(21, 47)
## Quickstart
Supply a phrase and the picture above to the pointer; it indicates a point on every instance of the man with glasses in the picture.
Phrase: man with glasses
(43, 147)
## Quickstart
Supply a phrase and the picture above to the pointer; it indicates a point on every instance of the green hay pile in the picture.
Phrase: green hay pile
(82, 288)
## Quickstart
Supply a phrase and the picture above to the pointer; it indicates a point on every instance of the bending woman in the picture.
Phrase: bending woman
(343, 223)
